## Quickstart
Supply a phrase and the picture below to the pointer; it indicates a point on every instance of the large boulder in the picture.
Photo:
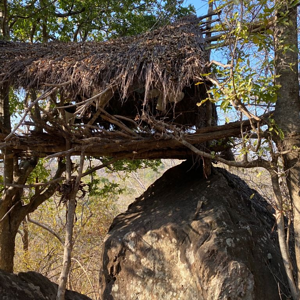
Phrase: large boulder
(191, 238)
(31, 286)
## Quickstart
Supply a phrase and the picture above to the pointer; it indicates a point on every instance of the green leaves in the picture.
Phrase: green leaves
(76, 20)
(40, 173)
(273, 127)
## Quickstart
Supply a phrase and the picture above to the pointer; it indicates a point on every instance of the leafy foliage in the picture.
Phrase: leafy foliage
(46, 20)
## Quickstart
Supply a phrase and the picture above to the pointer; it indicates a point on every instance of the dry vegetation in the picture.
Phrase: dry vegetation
(39, 250)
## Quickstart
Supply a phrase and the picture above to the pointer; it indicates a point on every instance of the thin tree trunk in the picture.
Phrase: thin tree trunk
(67, 248)
(25, 239)
(281, 235)
(71, 207)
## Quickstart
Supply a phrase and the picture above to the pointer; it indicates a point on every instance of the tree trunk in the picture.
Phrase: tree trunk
(67, 248)
(288, 108)
(7, 230)
(25, 238)
(71, 208)
(4, 19)
(8, 233)
(283, 245)
(12, 213)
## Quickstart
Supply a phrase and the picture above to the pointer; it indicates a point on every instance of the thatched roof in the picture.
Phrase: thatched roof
(132, 76)
(167, 58)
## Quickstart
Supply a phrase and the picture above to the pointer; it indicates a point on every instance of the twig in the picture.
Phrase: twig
(237, 104)
(9, 211)
(99, 167)
(84, 270)
(214, 62)
(58, 84)
(255, 163)
(86, 101)
(34, 184)
(112, 119)
(126, 119)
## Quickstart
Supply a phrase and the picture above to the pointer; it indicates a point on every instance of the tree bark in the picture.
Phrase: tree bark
(283, 245)
(4, 20)
(11, 217)
(71, 205)
(13, 212)
(71, 208)
(7, 230)
(288, 108)
(25, 237)
(8, 233)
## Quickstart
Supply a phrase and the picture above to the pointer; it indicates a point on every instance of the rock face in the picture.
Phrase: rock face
(191, 238)
(31, 286)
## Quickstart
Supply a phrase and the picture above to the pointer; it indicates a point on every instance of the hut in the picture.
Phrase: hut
(124, 97)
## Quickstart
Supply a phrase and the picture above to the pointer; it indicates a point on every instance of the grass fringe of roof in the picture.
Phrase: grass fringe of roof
(167, 59)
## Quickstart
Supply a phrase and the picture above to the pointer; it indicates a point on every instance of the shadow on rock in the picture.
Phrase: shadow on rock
(31, 286)
(191, 238)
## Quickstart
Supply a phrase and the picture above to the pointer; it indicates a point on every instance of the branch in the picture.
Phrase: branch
(70, 13)
(148, 145)
(257, 27)
(255, 163)
(214, 62)
(236, 103)
(64, 153)
(87, 101)
(99, 167)
(46, 228)
(9, 211)
(37, 200)
(115, 121)
(38, 184)
(84, 270)
(43, 96)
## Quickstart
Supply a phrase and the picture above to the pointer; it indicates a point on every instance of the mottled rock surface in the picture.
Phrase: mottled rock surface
(191, 238)
(31, 286)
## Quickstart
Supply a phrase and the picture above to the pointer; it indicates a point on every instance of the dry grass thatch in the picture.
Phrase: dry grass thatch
(167, 59)
(130, 94)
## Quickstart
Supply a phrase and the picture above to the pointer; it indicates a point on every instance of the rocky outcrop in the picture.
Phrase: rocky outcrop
(31, 286)
(191, 238)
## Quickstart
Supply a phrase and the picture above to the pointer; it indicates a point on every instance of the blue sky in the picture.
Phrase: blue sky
(200, 5)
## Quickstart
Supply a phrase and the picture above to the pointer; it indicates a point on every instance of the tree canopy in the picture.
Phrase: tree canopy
(163, 101)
